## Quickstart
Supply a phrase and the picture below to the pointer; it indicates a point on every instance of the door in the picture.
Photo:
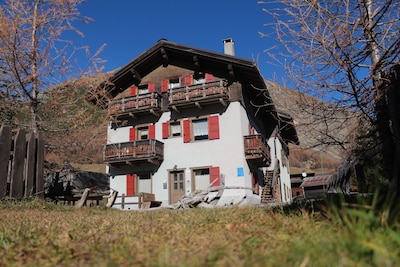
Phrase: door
(176, 186)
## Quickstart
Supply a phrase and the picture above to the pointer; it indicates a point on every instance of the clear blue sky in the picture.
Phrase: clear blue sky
(129, 28)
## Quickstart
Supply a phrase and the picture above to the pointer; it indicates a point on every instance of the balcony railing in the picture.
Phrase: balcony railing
(135, 104)
(205, 93)
(148, 150)
(257, 150)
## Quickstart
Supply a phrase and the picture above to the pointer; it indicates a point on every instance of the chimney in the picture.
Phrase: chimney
(229, 48)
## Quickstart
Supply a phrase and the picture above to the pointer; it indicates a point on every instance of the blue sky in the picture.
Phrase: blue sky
(129, 28)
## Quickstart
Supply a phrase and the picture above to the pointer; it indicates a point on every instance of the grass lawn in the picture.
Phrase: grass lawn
(42, 234)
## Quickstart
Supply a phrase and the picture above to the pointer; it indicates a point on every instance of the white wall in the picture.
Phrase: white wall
(276, 148)
(227, 153)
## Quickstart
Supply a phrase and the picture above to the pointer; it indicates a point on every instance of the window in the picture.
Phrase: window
(171, 129)
(143, 89)
(178, 180)
(200, 79)
(144, 183)
(200, 129)
(174, 83)
(142, 133)
(175, 128)
(201, 179)
(138, 183)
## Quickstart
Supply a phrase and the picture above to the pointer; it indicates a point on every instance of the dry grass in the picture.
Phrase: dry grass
(41, 234)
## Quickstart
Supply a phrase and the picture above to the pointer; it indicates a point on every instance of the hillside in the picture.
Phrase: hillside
(81, 139)
(322, 129)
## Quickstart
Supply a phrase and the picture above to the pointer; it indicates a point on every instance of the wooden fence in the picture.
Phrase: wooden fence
(21, 164)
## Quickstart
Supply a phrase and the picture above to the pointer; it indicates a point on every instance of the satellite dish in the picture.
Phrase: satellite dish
(304, 174)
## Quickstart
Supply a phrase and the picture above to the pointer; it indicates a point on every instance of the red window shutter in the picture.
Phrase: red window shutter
(214, 176)
(188, 79)
(133, 90)
(151, 86)
(132, 134)
(213, 127)
(209, 77)
(164, 86)
(165, 130)
(130, 184)
(152, 131)
(186, 131)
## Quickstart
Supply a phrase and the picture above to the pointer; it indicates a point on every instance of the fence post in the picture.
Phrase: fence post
(16, 183)
(39, 165)
(30, 165)
(5, 144)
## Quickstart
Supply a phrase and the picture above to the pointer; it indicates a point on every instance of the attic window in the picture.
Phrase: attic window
(143, 89)
(200, 79)
(174, 83)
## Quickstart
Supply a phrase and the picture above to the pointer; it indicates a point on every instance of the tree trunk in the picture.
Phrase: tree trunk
(394, 111)
(35, 80)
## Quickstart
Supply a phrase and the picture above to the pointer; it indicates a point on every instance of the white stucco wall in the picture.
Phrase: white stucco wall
(227, 153)
(276, 148)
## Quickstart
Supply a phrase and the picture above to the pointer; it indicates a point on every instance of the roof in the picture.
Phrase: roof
(316, 180)
(235, 69)
(287, 128)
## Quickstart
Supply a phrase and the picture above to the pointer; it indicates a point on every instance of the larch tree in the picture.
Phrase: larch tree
(35, 53)
(345, 52)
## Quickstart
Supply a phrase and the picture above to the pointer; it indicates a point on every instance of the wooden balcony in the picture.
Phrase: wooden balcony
(198, 95)
(150, 150)
(135, 105)
(257, 150)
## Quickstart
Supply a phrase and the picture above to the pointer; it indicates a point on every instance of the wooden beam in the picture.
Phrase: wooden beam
(136, 76)
(165, 57)
(231, 74)
(132, 115)
(152, 111)
(223, 102)
(83, 198)
(153, 161)
(197, 104)
(196, 63)
(175, 109)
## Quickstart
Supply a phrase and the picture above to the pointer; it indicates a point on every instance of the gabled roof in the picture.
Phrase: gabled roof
(169, 53)
(257, 99)
(318, 180)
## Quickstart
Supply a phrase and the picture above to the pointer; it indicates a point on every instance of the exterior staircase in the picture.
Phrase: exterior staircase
(266, 193)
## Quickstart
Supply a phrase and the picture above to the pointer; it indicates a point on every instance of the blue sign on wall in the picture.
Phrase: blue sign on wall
(240, 171)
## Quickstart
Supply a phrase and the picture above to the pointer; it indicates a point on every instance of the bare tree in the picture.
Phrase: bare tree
(344, 52)
(33, 54)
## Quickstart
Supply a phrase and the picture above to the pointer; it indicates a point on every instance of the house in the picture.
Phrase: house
(184, 119)
(316, 187)
(296, 180)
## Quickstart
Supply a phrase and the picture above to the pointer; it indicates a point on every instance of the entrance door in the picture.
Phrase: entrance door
(176, 185)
